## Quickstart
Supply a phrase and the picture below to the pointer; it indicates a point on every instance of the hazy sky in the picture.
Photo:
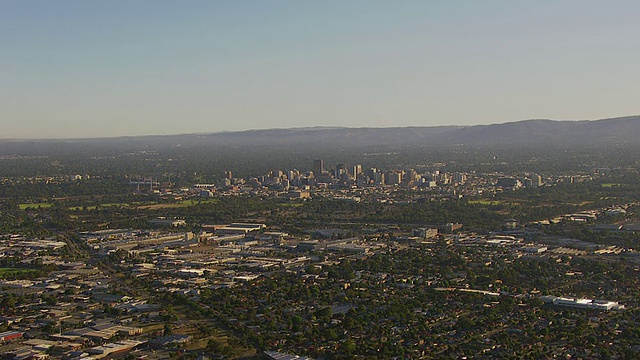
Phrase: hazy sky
(108, 68)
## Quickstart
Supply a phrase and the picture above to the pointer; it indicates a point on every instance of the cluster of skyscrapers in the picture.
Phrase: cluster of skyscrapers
(351, 175)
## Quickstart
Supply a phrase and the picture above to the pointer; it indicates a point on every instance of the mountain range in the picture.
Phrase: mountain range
(618, 131)
(527, 132)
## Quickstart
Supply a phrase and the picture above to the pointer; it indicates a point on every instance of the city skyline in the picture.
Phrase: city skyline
(77, 70)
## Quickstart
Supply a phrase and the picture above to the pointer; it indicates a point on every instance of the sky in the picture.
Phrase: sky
(75, 69)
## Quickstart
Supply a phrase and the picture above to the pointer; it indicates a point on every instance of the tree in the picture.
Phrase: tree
(168, 329)
(215, 346)
(348, 346)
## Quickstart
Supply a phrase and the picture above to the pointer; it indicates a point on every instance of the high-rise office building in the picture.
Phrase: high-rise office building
(355, 170)
(293, 174)
(378, 178)
(393, 177)
(536, 180)
(318, 167)
(409, 176)
(371, 173)
(459, 177)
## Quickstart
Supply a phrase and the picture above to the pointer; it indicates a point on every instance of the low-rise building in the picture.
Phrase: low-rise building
(10, 335)
(425, 233)
(604, 305)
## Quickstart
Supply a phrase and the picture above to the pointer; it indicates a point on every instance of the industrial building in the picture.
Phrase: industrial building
(587, 304)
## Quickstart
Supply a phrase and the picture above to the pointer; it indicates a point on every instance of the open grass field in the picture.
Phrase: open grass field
(610, 185)
(199, 201)
(485, 202)
(93, 207)
(6, 272)
(78, 208)
(163, 206)
(34, 205)
(146, 206)
(114, 204)
(290, 205)
(183, 203)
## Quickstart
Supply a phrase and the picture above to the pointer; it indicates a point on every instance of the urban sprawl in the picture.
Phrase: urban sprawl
(316, 266)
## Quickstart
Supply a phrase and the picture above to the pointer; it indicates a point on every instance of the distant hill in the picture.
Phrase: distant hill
(619, 131)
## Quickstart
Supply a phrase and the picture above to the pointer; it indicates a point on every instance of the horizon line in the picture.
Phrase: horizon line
(319, 127)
